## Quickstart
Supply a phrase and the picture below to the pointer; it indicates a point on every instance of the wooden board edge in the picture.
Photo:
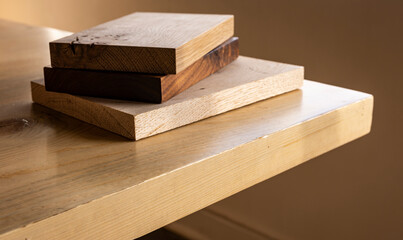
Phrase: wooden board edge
(152, 122)
(214, 60)
(215, 36)
(140, 209)
(79, 82)
(63, 55)
(113, 120)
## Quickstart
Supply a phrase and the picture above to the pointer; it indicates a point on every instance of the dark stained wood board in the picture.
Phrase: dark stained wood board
(140, 87)
(160, 43)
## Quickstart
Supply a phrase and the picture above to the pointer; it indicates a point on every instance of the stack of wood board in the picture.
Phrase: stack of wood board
(136, 86)
(110, 75)
(143, 56)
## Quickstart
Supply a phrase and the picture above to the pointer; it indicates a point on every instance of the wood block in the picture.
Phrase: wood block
(245, 81)
(163, 43)
(135, 86)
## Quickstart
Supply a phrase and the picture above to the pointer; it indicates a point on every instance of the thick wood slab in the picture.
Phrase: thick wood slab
(73, 182)
(141, 87)
(162, 43)
(245, 81)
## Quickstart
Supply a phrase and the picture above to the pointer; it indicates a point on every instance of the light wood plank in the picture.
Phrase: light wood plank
(163, 43)
(245, 81)
(112, 189)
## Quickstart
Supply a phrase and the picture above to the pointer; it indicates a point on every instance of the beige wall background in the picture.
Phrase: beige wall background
(354, 192)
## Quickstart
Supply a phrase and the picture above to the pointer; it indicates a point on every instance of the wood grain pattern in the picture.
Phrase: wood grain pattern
(245, 81)
(140, 87)
(101, 187)
(65, 179)
(163, 43)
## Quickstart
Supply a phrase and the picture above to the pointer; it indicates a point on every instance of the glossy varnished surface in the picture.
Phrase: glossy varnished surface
(62, 178)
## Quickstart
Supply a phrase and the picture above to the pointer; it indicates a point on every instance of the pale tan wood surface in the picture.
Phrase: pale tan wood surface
(143, 42)
(64, 179)
(242, 82)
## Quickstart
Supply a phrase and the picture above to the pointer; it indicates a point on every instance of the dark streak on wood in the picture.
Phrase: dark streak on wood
(14, 125)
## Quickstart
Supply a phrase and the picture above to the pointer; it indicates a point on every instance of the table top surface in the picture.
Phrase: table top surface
(73, 179)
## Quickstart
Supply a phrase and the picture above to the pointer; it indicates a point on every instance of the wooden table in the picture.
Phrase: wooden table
(65, 179)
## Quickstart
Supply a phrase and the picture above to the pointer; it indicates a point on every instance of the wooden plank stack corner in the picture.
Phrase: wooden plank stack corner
(147, 73)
